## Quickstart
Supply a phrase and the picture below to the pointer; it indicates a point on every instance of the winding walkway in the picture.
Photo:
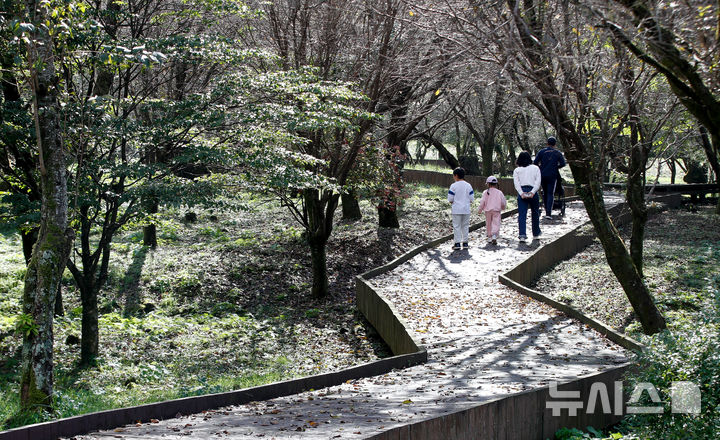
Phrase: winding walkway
(483, 339)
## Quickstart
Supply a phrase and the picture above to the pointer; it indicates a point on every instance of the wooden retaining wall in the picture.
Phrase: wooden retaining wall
(518, 417)
(525, 415)
(521, 416)
(110, 419)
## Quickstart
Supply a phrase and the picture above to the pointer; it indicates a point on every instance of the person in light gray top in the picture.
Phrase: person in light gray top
(527, 180)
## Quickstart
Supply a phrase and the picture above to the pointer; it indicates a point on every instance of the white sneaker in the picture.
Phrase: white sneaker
(522, 238)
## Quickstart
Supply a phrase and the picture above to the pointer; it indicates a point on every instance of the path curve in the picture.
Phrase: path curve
(484, 340)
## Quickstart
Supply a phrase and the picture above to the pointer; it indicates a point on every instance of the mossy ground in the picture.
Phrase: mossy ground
(223, 303)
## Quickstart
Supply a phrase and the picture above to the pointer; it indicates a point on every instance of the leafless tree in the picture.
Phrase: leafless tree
(681, 40)
(560, 64)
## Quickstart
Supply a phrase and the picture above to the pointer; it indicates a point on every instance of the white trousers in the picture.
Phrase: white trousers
(461, 226)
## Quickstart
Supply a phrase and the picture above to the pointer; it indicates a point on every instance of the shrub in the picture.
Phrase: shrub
(689, 352)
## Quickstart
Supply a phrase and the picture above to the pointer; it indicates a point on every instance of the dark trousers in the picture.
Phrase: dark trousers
(548, 186)
(534, 206)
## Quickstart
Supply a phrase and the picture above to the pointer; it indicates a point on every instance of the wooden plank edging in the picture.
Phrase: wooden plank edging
(77, 425)
(497, 418)
(619, 338)
(523, 415)
(565, 247)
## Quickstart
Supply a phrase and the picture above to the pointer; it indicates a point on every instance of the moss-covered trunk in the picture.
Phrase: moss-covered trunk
(51, 250)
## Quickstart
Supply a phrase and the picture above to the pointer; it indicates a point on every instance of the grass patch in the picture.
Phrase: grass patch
(682, 269)
(223, 303)
(682, 258)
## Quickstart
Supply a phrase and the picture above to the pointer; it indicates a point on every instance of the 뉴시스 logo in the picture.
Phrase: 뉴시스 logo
(684, 399)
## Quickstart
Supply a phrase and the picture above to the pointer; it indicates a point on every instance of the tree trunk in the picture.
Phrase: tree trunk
(29, 238)
(487, 157)
(90, 338)
(318, 257)
(712, 151)
(51, 251)
(446, 155)
(618, 257)
(387, 218)
(350, 206)
(59, 309)
(150, 235)
(319, 210)
(150, 230)
(635, 196)
(673, 170)
(90, 280)
(471, 165)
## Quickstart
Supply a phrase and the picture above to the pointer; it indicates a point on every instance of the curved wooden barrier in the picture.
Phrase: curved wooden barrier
(382, 314)
(378, 311)
(527, 415)
(519, 416)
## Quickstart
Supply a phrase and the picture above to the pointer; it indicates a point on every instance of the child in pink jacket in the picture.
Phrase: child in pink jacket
(493, 202)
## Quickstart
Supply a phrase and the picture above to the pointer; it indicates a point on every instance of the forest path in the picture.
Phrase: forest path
(484, 341)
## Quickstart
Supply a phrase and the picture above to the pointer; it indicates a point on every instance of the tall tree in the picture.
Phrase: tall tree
(539, 44)
(51, 250)
(681, 41)
(557, 61)
(305, 33)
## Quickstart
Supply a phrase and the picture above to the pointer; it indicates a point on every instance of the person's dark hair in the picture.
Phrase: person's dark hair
(460, 172)
(523, 159)
(551, 141)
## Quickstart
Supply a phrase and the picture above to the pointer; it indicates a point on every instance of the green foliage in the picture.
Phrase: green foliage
(25, 325)
(312, 313)
(592, 433)
(691, 352)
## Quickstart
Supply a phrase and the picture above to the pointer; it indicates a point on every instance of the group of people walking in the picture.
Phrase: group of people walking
(528, 178)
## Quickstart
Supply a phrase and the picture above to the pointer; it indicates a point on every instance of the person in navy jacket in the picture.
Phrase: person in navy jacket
(549, 160)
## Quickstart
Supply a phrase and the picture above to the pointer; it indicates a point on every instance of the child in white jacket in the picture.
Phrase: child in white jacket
(460, 196)
(493, 201)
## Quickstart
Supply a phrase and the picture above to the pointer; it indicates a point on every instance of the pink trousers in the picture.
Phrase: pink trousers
(492, 223)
